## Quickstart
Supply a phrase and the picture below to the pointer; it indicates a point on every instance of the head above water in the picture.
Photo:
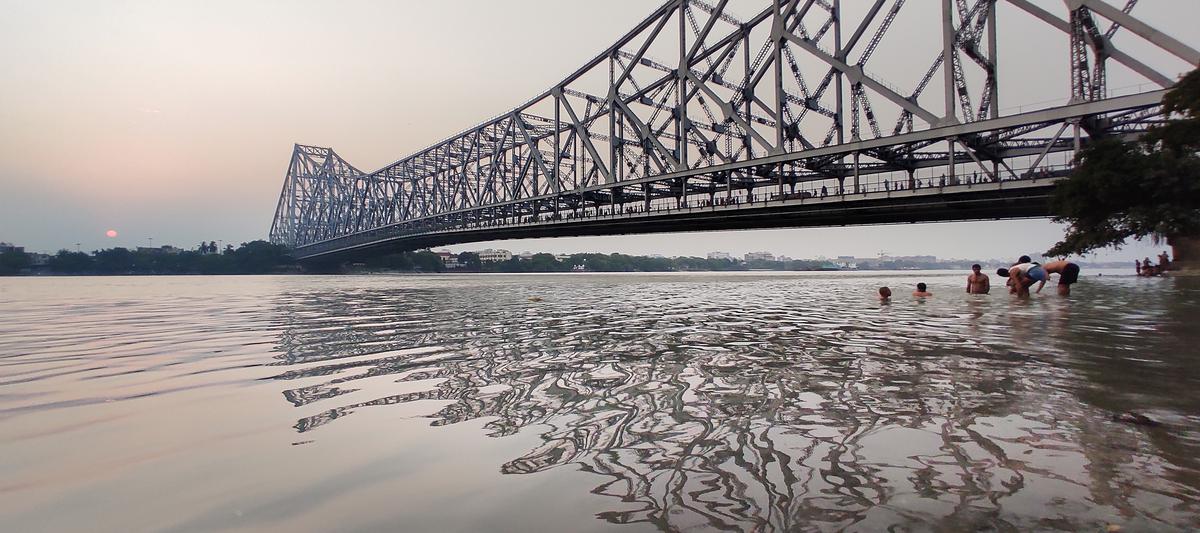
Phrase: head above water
(1024, 259)
(921, 287)
(885, 292)
(1002, 272)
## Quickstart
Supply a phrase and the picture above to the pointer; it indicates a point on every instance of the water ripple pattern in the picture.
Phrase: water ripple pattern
(744, 401)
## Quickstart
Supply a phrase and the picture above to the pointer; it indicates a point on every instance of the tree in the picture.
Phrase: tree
(114, 261)
(1147, 187)
(13, 262)
(67, 262)
(258, 257)
(544, 263)
(427, 261)
(470, 261)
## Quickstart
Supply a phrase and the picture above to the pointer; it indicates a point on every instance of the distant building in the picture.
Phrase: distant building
(6, 247)
(169, 250)
(760, 256)
(448, 258)
(783, 258)
(720, 255)
(494, 256)
(39, 260)
(526, 255)
(657, 256)
(562, 258)
(847, 261)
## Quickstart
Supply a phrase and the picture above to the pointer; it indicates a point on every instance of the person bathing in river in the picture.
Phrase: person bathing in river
(1023, 275)
(885, 294)
(1068, 274)
(978, 282)
(921, 292)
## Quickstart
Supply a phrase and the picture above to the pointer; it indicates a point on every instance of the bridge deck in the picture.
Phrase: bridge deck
(1025, 198)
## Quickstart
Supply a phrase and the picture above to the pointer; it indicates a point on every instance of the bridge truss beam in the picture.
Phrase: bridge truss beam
(698, 106)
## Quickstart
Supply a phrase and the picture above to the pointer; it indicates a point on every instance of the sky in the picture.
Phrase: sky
(173, 122)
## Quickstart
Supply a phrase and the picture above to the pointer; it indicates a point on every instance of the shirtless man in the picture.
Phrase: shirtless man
(978, 282)
(1068, 274)
(921, 292)
(885, 294)
(1023, 275)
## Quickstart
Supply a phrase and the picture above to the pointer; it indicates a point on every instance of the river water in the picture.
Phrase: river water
(584, 402)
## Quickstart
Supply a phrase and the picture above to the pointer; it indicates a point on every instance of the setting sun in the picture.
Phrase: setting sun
(111, 233)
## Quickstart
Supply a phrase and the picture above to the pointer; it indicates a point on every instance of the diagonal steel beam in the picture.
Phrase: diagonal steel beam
(856, 75)
(1117, 55)
(1160, 39)
(583, 135)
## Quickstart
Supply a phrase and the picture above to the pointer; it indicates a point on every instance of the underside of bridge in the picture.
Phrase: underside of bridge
(977, 201)
(702, 119)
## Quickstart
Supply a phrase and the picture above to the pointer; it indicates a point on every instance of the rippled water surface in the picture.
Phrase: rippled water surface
(595, 402)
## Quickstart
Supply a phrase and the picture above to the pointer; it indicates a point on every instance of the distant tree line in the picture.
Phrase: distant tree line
(426, 261)
(256, 257)
(260, 257)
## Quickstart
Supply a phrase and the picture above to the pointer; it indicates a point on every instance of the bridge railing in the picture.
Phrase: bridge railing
(735, 201)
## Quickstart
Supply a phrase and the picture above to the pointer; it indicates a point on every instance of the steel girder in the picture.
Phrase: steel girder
(695, 102)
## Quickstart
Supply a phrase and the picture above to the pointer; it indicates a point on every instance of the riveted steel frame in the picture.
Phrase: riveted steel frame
(695, 104)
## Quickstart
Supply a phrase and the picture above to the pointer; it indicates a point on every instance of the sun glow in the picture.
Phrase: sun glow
(111, 233)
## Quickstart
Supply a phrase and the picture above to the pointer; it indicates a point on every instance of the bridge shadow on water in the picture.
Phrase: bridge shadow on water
(752, 404)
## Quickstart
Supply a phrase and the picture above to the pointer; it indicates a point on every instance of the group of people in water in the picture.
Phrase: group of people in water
(1146, 268)
(1021, 276)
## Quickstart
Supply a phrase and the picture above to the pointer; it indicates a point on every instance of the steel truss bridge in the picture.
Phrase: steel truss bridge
(699, 119)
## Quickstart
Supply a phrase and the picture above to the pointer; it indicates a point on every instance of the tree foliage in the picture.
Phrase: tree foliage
(1147, 187)
(13, 262)
(256, 257)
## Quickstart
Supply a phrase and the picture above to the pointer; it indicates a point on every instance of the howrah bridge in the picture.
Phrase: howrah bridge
(739, 114)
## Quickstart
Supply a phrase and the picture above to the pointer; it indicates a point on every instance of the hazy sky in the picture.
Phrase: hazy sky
(175, 120)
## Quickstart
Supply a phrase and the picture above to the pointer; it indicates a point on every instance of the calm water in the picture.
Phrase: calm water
(617, 402)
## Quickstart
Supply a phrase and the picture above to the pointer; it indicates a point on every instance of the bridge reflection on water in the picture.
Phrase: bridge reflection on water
(772, 403)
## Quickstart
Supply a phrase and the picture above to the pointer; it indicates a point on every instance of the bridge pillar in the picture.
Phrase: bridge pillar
(857, 188)
(950, 147)
(780, 171)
